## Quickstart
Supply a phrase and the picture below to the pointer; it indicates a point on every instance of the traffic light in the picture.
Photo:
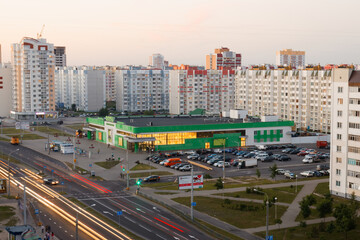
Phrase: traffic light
(138, 181)
(123, 168)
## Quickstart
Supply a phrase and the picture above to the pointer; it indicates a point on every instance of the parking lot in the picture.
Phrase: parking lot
(295, 165)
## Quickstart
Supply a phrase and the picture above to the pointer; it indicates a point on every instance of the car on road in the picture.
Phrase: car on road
(51, 181)
(153, 178)
(289, 174)
(307, 174)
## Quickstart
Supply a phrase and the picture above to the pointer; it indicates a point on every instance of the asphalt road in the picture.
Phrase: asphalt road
(147, 220)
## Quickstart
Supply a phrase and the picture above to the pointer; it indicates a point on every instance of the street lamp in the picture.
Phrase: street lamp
(9, 169)
(295, 183)
(192, 194)
(275, 200)
(267, 211)
(77, 221)
(223, 168)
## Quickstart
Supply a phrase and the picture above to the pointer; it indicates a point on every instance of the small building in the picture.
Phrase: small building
(169, 133)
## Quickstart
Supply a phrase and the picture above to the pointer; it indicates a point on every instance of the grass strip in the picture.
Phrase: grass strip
(218, 230)
(145, 174)
(6, 212)
(77, 168)
(105, 219)
(28, 136)
(107, 164)
(142, 166)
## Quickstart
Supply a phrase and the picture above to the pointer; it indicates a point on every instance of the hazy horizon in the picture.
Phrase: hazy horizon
(128, 32)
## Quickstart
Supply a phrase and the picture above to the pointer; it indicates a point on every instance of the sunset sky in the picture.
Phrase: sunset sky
(119, 32)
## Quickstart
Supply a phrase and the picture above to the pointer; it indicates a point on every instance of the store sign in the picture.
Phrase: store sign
(110, 119)
(185, 182)
(219, 142)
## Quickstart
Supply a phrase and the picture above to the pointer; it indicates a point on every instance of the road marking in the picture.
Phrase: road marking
(140, 210)
(160, 236)
(156, 209)
(129, 219)
(55, 223)
(60, 226)
(66, 231)
(144, 227)
(176, 238)
(44, 215)
(192, 237)
(50, 219)
(71, 236)
(164, 217)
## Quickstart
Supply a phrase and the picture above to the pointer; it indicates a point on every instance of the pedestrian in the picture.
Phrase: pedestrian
(108, 145)
(98, 150)
(52, 235)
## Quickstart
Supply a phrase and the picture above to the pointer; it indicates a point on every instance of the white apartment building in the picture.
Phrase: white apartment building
(303, 96)
(83, 86)
(289, 57)
(5, 89)
(33, 78)
(141, 90)
(345, 133)
(110, 74)
(212, 90)
(60, 56)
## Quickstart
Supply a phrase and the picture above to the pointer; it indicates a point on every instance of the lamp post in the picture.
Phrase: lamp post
(77, 221)
(223, 167)
(127, 168)
(267, 212)
(192, 194)
(275, 207)
(9, 169)
(295, 183)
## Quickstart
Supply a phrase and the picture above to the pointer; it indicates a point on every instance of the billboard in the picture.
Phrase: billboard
(22, 125)
(185, 182)
(219, 142)
(3, 186)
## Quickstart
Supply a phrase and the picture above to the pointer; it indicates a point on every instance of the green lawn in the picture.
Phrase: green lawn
(165, 193)
(77, 168)
(13, 131)
(220, 231)
(6, 212)
(4, 139)
(107, 164)
(239, 218)
(145, 174)
(51, 131)
(76, 127)
(164, 186)
(283, 194)
(300, 233)
(29, 136)
(142, 166)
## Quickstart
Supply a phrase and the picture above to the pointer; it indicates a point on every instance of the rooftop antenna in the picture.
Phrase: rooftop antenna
(39, 35)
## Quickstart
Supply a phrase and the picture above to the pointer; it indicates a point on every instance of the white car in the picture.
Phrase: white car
(218, 150)
(307, 160)
(261, 156)
(280, 171)
(221, 163)
(289, 174)
(193, 156)
(307, 174)
(191, 152)
(163, 162)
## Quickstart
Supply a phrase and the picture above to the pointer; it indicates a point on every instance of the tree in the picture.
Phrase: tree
(219, 184)
(73, 107)
(345, 218)
(273, 171)
(305, 208)
(258, 173)
(325, 207)
(278, 221)
(103, 112)
(149, 112)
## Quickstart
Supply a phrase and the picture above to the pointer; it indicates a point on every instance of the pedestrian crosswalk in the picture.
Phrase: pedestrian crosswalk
(92, 195)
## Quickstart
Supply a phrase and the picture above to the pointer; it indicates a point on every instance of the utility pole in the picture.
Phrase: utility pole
(192, 194)
(74, 159)
(127, 169)
(24, 203)
(9, 170)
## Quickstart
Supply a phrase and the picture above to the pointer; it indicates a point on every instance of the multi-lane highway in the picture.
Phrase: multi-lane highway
(143, 218)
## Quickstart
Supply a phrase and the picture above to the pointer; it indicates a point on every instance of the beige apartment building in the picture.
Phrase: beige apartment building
(33, 93)
(303, 96)
(5, 89)
(290, 57)
(212, 90)
(223, 58)
(345, 133)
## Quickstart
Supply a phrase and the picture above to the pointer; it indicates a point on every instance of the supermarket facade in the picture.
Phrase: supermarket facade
(170, 133)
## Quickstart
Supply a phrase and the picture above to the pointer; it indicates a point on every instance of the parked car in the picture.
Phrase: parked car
(175, 165)
(249, 155)
(220, 164)
(218, 150)
(185, 168)
(322, 167)
(287, 150)
(294, 151)
(325, 172)
(284, 158)
(280, 171)
(289, 174)
(276, 156)
(307, 174)
(180, 165)
(261, 156)
(318, 174)
(193, 156)
(153, 178)
(268, 159)
(190, 152)
(302, 153)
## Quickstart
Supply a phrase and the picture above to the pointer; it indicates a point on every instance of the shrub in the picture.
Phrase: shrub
(314, 232)
(227, 201)
(207, 176)
(330, 227)
(302, 224)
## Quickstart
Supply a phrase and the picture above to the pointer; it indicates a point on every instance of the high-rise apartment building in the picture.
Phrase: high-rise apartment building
(289, 57)
(5, 89)
(345, 133)
(60, 56)
(0, 55)
(83, 86)
(141, 90)
(110, 74)
(157, 61)
(33, 65)
(303, 96)
(212, 90)
(223, 58)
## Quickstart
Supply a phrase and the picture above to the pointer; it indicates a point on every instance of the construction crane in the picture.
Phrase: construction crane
(39, 35)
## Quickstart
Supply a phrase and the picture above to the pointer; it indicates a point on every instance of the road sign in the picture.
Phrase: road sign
(90, 165)
(52, 170)
(269, 237)
(36, 211)
(193, 204)
(185, 182)
(62, 183)
(119, 213)
(44, 166)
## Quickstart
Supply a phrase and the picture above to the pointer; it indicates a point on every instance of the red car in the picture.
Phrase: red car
(302, 153)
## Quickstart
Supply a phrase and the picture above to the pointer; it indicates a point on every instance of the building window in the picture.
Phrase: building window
(340, 101)
(338, 148)
(338, 172)
(353, 162)
(353, 174)
(338, 136)
(338, 160)
(339, 113)
(354, 149)
(340, 89)
(339, 125)
(338, 183)
(354, 138)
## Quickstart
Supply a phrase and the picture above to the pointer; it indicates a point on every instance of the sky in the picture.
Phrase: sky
(124, 32)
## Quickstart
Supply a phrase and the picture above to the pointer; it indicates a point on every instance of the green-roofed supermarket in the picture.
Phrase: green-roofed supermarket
(170, 133)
